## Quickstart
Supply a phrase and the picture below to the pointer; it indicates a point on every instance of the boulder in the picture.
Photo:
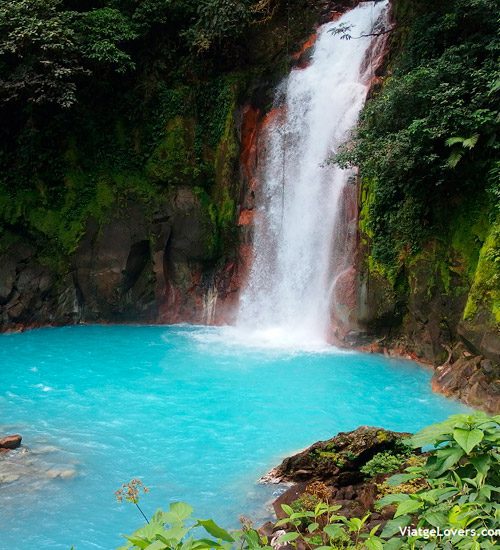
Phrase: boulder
(10, 442)
(337, 460)
(330, 471)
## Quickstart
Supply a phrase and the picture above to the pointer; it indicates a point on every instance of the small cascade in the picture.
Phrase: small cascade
(303, 251)
(209, 305)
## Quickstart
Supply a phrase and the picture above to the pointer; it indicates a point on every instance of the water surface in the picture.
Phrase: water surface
(194, 412)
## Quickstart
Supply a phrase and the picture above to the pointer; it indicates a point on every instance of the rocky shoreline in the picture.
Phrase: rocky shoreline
(472, 379)
(332, 471)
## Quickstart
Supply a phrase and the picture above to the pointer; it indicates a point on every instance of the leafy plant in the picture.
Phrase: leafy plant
(383, 463)
(462, 475)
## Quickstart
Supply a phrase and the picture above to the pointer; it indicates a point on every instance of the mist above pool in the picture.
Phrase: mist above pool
(193, 411)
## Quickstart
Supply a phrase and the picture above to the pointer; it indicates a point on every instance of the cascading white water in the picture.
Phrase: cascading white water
(299, 246)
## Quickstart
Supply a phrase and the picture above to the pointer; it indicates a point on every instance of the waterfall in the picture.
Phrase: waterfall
(300, 241)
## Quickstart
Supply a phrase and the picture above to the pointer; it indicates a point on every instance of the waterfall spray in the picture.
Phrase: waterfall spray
(300, 244)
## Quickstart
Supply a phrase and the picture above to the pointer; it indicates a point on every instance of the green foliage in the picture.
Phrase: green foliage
(416, 171)
(173, 160)
(45, 49)
(383, 463)
(102, 32)
(462, 476)
(485, 289)
(174, 529)
(218, 19)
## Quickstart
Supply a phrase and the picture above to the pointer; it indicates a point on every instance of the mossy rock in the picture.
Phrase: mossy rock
(173, 160)
(339, 459)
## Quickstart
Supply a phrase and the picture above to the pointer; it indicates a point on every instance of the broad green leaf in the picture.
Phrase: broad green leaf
(436, 519)
(397, 479)
(482, 463)
(138, 541)
(392, 527)
(208, 543)
(157, 545)
(333, 531)
(408, 507)
(393, 544)
(288, 537)
(287, 509)
(252, 538)
(445, 459)
(467, 439)
(213, 529)
(392, 499)
(435, 433)
(176, 532)
(312, 527)
(373, 543)
(181, 510)
(355, 524)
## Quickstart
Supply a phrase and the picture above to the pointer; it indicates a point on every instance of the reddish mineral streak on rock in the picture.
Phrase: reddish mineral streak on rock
(246, 217)
(234, 275)
(249, 132)
(302, 57)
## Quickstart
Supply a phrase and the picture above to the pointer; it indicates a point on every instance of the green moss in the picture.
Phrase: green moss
(387, 271)
(173, 160)
(382, 436)
(485, 290)
(366, 200)
(468, 230)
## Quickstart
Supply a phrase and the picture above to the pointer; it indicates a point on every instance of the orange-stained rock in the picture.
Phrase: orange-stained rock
(10, 442)
(246, 217)
(302, 58)
(249, 131)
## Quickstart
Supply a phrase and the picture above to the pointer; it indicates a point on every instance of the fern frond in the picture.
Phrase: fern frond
(469, 143)
(454, 158)
(454, 140)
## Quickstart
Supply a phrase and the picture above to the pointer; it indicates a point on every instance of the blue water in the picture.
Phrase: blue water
(188, 409)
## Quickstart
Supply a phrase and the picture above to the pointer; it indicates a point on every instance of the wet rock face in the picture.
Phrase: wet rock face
(31, 293)
(137, 265)
(423, 320)
(473, 379)
(111, 265)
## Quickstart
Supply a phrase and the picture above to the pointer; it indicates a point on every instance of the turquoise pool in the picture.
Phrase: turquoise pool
(193, 411)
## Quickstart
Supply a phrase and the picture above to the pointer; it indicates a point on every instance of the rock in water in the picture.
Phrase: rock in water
(10, 442)
(337, 460)
(330, 470)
